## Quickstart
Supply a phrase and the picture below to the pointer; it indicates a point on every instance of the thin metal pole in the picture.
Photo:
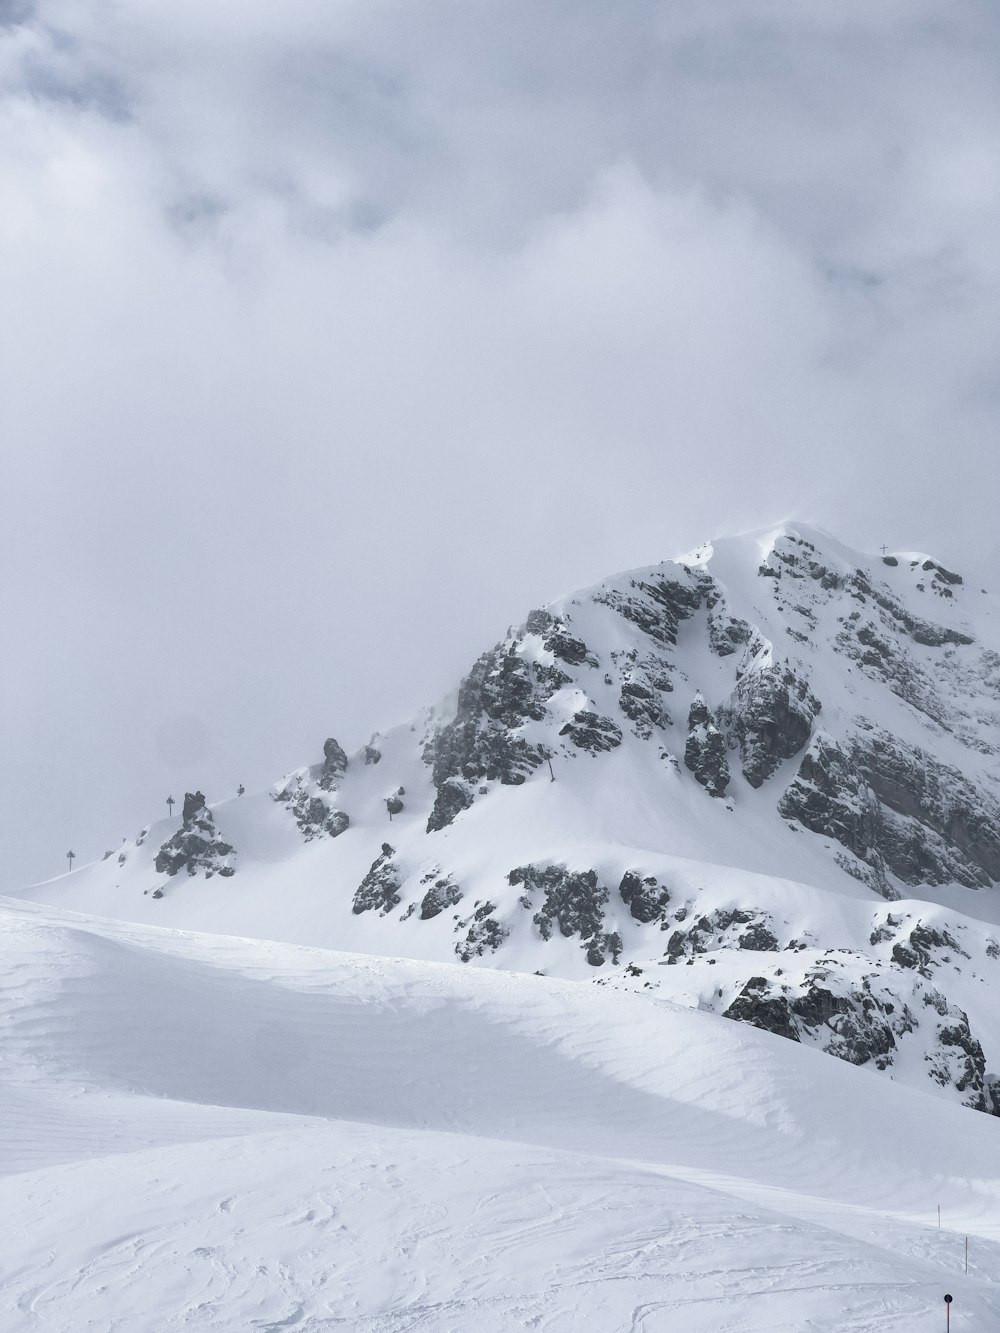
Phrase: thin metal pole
(966, 1254)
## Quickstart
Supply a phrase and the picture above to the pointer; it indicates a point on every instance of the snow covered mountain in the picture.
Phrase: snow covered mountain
(762, 780)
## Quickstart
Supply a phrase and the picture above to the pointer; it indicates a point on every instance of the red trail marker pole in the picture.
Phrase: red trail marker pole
(947, 1307)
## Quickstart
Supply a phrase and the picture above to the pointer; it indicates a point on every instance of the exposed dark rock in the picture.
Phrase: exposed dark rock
(757, 936)
(772, 719)
(847, 1020)
(721, 929)
(193, 802)
(589, 732)
(313, 811)
(574, 900)
(912, 783)
(196, 845)
(500, 694)
(334, 765)
(567, 649)
(926, 947)
(444, 892)
(945, 575)
(379, 890)
(657, 607)
(891, 803)
(762, 1008)
(705, 750)
(829, 797)
(641, 704)
(483, 932)
(727, 633)
(539, 622)
(646, 899)
(453, 796)
(957, 1058)
(601, 946)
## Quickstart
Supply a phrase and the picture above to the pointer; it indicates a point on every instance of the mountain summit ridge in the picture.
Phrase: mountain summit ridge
(774, 762)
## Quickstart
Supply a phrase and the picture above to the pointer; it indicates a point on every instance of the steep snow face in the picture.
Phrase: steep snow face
(763, 780)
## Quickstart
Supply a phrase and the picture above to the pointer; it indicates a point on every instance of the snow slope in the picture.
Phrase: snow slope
(223, 1133)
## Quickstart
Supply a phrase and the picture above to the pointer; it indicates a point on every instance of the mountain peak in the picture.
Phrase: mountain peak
(738, 761)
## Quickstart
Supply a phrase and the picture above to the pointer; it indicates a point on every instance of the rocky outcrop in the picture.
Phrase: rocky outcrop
(645, 898)
(865, 1018)
(772, 719)
(500, 695)
(589, 732)
(829, 797)
(196, 846)
(705, 750)
(727, 634)
(897, 808)
(852, 1024)
(643, 680)
(379, 890)
(483, 932)
(572, 900)
(656, 605)
(334, 765)
(912, 783)
(442, 893)
(725, 928)
(312, 807)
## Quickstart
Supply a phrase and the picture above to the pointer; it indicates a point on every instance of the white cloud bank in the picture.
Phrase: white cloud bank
(336, 335)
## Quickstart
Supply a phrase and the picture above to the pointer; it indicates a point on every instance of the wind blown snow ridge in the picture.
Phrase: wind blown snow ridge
(379, 1144)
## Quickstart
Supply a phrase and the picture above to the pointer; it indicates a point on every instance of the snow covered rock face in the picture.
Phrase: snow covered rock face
(771, 718)
(868, 1018)
(502, 692)
(635, 784)
(309, 795)
(379, 890)
(196, 846)
(897, 808)
(705, 750)
(573, 901)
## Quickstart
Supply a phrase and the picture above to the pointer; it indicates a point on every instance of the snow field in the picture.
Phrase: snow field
(221, 1133)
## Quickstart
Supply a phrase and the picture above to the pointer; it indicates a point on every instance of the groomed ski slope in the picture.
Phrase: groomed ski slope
(219, 1133)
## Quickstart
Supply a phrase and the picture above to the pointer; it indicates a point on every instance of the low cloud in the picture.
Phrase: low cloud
(337, 336)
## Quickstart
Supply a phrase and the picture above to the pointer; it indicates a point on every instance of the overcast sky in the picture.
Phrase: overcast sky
(336, 335)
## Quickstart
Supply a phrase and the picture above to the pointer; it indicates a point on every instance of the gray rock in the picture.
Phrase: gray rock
(500, 694)
(573, 900)
(379, 890)
(646, 899)
(441, 894)
(484, 933)
(772, 719)
(196, 846)
(589, 732)
(705, 750)
(334, 765)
